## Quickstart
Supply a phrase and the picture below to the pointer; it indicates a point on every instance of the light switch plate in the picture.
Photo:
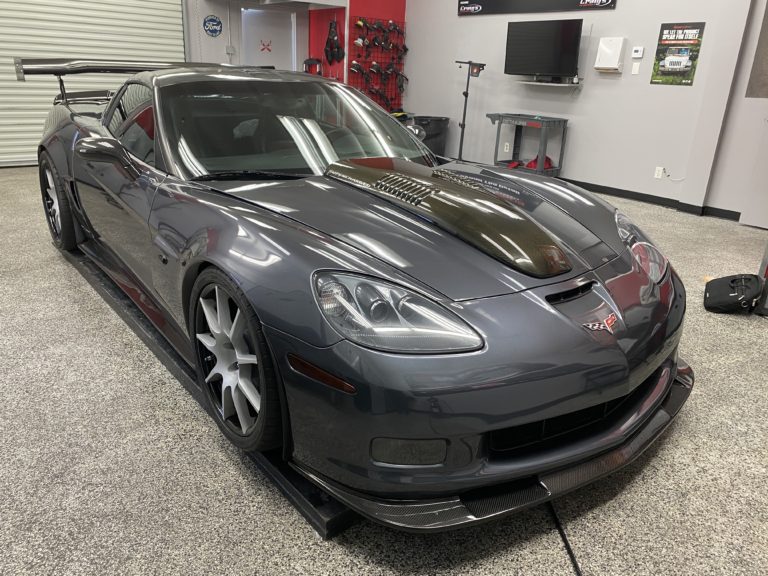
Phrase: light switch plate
(635, 68)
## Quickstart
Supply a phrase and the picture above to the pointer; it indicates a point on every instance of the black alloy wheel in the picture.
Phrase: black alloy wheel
(58, 213)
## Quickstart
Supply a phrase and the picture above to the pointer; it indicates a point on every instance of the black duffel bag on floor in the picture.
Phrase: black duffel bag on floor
(733, 294)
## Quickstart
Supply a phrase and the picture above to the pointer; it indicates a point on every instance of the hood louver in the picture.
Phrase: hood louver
(455, 178)
(461, 207)
(404, 188)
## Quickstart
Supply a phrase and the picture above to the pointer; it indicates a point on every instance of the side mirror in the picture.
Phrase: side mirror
(107, 150)
(417, 131)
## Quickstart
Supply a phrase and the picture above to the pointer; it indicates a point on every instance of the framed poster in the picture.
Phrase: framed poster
(677, 55)
(478, 7)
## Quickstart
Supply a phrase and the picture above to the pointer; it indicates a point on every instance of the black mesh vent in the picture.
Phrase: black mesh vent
(404, 188)
(519, 440)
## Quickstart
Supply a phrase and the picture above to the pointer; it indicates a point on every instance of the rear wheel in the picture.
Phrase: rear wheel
(233, 363)
(58, 213)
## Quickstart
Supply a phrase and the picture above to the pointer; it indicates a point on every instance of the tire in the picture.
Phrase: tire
(234, 365)
(58, 213)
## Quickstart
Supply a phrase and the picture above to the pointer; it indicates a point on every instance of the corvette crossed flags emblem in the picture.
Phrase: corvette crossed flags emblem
(604, 326)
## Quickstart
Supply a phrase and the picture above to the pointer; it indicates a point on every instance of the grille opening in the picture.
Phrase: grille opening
(568, 295)
(543, 434)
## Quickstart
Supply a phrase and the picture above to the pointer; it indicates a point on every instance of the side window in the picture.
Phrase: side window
(133, 122)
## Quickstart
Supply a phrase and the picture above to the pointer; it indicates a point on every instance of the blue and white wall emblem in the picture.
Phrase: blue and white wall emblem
(212, 25)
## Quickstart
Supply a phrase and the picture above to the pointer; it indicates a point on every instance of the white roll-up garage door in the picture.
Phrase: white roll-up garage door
(80, 29)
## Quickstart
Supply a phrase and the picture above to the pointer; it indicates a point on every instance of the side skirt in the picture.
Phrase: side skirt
(327, 515)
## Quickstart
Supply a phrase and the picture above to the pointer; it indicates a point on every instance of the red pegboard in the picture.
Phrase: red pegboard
(378, 42)
(319, 21)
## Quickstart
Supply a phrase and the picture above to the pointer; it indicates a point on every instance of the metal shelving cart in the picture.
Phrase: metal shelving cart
(546, 124)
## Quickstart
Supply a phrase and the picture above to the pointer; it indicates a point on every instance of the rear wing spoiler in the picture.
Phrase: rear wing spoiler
(62, 66)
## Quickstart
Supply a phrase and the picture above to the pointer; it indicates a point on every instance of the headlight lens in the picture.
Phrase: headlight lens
(650, 258)
(384, 316)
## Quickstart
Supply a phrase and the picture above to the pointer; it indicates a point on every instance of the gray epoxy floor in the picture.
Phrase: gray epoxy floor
(107, 466)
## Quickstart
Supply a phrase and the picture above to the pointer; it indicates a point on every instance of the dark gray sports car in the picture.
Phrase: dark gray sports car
(435, 343)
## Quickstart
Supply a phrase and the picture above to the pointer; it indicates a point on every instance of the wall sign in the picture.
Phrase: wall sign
(478, 7)
(212, 25)
(677, 55)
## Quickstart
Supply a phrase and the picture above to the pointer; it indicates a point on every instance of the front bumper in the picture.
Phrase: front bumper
(484, 504)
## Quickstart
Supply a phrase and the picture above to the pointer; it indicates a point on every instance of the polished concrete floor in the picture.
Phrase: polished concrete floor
(108, 466)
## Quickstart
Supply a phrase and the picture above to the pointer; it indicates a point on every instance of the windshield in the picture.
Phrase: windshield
(678, 51)
(289, 127)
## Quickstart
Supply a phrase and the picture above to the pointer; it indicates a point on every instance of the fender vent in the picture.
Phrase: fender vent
(404, 188)
(455, 178)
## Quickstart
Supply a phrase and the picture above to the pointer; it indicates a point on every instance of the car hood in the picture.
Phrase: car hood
(465, 231)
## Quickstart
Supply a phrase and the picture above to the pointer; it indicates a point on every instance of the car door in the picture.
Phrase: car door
(117, 199)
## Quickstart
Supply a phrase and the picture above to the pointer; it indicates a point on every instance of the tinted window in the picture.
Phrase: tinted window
(134, 97)
(138, 135)
(297, 127)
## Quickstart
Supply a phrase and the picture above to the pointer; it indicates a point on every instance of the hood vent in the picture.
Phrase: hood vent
(404, 188)
(455, 178)
(463, 209)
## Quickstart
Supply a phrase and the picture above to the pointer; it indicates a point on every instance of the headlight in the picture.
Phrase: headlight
(384, 316)
(650, 258)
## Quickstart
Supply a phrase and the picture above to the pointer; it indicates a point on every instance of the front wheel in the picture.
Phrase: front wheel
(233, 363)
(58, 213)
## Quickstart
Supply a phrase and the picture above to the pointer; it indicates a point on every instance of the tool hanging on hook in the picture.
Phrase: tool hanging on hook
(473, 71)
(333, 50)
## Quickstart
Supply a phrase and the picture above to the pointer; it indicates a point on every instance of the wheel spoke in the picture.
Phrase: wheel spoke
(51, 185)
(237, 329)
(54, 214)
(223, 312)
(208, 341)
(241, 406)
(245, 385)
(227, 404)
(213, 373)
(247, 359)
(211, 318)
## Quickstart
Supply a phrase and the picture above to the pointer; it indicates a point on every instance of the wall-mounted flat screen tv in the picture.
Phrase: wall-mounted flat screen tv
(546, 48)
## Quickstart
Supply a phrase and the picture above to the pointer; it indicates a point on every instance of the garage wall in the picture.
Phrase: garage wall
(740, 180)
(86, 29)
(204, 48)
(621, 127)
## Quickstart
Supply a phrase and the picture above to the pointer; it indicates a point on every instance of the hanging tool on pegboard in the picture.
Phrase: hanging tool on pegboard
(379, 54)
(333, 49)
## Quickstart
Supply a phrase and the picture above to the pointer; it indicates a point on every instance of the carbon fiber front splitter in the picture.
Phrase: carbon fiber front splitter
(483, 505)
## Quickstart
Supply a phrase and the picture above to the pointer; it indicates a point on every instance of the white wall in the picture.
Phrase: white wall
(740, 179)
(621, 127)
(204, 48)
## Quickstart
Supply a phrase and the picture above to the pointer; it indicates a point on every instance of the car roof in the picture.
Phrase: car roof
(218, 72)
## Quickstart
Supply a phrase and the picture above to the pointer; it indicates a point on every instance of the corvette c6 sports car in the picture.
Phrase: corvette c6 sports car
(435, 343)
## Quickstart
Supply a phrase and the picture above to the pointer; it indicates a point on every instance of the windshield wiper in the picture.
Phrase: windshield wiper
(248, 175)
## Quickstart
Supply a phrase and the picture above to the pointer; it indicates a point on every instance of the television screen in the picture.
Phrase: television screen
(547, 48)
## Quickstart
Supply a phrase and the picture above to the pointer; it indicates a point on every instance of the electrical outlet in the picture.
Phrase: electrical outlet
(659, 172)
(506, 146)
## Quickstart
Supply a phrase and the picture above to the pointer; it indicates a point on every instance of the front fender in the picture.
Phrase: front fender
(270, 257)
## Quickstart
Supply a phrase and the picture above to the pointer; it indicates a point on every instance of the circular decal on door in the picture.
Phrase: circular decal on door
(212, 25)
